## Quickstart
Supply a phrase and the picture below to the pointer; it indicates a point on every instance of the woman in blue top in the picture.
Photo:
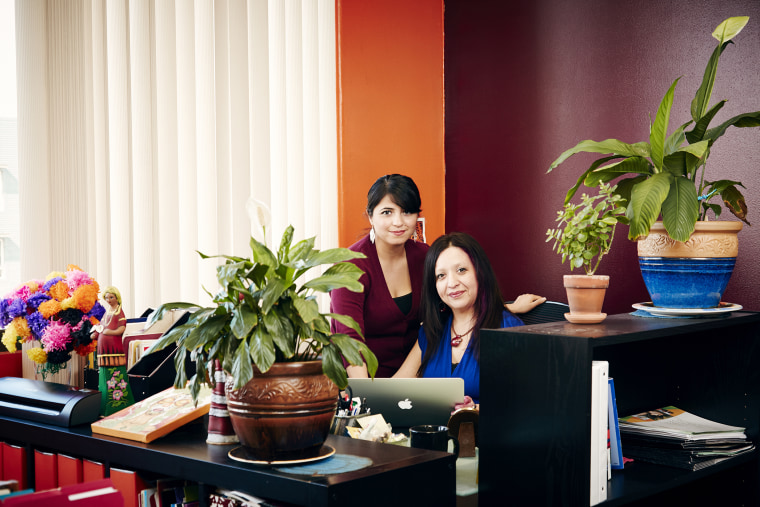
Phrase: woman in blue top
(460, 296)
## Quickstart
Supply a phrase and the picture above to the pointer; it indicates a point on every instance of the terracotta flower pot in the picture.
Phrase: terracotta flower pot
(585, 296)
(690, 274)
(285, 413)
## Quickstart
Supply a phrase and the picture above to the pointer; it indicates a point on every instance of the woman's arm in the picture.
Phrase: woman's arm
(411, 363)
(525, 303)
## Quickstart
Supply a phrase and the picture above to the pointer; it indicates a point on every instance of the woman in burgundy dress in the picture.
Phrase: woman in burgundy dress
(113, 382)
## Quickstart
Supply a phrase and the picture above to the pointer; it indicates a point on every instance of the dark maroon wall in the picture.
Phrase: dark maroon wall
(527, 80)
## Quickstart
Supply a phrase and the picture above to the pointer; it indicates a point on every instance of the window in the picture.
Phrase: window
(10, 275)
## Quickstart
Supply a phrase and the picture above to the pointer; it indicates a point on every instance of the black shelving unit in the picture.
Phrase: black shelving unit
(536, 398)
(394, 477)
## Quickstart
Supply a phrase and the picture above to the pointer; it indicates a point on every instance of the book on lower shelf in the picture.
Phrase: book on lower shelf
(616, 448)
(155, 416)
(673, 437)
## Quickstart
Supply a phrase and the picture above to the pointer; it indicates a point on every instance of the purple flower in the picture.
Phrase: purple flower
(36, 299)
(16, 308)
(97, 311)
(37, 324)
(5, 319)
(50, 283)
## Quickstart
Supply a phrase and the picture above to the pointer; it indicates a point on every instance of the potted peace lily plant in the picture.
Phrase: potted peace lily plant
(266, 330)
(583, 236)
(666, 177)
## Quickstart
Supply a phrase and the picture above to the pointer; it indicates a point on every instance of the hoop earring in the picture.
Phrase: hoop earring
(372, 235)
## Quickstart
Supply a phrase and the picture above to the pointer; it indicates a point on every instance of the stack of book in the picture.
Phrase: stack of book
(673, 437)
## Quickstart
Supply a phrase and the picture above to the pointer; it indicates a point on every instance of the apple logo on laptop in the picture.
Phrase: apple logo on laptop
(405, 404)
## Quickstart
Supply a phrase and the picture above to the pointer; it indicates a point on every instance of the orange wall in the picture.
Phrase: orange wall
(390, 105)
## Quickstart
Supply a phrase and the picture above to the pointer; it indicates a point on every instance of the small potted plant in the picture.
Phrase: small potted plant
(583, 236)
(266, 330)
(665, 176)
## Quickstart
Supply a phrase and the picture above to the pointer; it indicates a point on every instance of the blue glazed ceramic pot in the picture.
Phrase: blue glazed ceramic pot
(686, 283)
(690, 274)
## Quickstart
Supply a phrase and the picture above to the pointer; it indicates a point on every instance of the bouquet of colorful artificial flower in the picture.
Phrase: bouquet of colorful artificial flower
(58, 313)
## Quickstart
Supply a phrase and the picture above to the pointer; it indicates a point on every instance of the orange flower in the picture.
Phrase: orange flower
(59, 291)
(84, 350)
(85, 297)
(49, 308)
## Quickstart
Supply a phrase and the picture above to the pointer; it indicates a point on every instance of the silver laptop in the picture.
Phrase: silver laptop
(406, 402)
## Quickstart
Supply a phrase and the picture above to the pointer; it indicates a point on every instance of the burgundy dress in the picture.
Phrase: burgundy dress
(111, 344)
(388, 332)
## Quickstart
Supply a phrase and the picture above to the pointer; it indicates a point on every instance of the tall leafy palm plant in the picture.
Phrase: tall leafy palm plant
(666, 174)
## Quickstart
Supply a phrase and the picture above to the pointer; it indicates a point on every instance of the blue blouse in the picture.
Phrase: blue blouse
(468, 368)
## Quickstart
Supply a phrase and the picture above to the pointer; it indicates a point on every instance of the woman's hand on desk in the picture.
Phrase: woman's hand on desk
(525, 303)
(466, 403)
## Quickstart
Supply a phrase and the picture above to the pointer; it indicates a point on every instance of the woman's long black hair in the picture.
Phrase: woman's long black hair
(489, 305)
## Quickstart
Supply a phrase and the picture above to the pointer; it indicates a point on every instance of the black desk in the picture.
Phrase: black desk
(398, 475)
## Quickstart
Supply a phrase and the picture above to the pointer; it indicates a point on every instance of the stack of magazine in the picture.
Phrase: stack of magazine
(673, 437)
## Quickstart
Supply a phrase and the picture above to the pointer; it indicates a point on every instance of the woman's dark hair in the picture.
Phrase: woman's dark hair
(489, 304)
(400, 188)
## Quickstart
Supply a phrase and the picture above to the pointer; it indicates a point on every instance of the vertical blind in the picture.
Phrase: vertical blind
(145, 125)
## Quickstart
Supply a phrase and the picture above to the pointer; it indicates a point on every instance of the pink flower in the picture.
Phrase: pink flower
(117, 394)
(75, 278)
(56, 336)
(123, 384)
(111, 383)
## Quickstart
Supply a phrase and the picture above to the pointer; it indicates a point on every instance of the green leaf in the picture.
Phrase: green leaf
(162, 310)
(206, 332)
(262, 349)
(634, 165)
(287, 239)
(624, 187)
(347, 321)
(242, 369)
(243, 320)
(734, 201)
(680, 209)
(593, 167)
(730, 28)
(271, 294)
(332, 256)
(659, 131)
(308, 309)
(369, 359)
(740, 121)
(343, 275)
(332, 366)
(698, 132)
(262, 254)
(645, 204)
(612, 146)
(676, 139)
(348, 347)
(300, 250)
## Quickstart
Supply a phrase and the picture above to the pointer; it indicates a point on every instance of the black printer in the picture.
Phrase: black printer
(48, 402)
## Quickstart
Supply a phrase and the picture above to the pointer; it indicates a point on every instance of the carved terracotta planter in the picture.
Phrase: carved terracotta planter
(691, 274)
(585, 297)
(285, 413)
